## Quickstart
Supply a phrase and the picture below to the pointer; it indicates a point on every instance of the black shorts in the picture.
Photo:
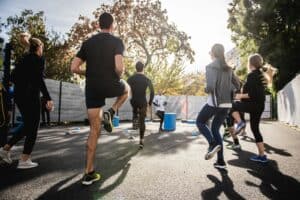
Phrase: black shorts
(95, 94)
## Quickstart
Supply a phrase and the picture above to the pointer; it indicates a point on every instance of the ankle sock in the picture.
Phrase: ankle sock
(236, 141)
(112, 112)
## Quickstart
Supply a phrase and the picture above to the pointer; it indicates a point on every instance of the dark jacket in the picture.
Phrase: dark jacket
(29, 78)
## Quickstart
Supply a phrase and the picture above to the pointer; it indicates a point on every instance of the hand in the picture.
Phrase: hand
(49, 105)
(238, 96)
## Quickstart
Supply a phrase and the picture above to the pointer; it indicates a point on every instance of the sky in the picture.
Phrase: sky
(204, 21)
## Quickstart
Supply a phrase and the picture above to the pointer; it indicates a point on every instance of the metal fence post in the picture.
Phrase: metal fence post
(59, 101)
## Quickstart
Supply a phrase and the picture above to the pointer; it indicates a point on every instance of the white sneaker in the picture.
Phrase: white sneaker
(27, 164)
(5, 156)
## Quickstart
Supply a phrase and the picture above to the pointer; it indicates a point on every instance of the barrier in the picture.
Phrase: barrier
(287, 107)
(115, 121)
(170, 122)
(69, 103)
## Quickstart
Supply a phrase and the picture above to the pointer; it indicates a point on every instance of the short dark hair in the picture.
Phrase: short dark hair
(139, 66)
(105, 20)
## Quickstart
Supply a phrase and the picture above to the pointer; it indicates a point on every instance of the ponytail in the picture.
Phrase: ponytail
(218, 52)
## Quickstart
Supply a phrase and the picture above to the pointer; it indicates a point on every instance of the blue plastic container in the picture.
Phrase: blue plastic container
(115, 121)
(170, 122)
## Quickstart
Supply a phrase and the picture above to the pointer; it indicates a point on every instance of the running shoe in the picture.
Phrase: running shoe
(212, 150)
(234, 147)
(90, 178)
(28, 164)
(220, 164)
(226, 135)
(107, 121)
(239, 127)
(5, 156)
(258, 158)
(141, 144)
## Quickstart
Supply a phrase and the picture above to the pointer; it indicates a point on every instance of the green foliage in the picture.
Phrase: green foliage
(55, 50)
(271, 28)
(148, 37)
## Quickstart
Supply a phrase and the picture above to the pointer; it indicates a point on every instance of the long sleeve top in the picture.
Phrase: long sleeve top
(255, 87)
(29, 77)
(139, 84)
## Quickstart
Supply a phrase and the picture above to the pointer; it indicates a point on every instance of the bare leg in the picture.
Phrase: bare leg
(261, 148)
(231, 131)
(236, 116)
(94, 116)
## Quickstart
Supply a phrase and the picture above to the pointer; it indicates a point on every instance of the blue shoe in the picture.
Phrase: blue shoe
(240, 126)
(257, 158)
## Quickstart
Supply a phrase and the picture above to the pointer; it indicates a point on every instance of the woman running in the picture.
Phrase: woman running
(220, 85)
(29, 82)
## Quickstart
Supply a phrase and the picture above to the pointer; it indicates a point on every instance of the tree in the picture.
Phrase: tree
(57, 61)
(148, 36)
(271, 28)
(194, 84)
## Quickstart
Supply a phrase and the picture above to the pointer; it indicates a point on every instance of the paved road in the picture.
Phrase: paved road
(171, 166)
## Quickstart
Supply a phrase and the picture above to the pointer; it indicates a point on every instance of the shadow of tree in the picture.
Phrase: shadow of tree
(225, 185)
(274, 184)
(65, 154)
(268, 148)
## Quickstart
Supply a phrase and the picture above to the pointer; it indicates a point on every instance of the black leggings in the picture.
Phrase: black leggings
(255, 110)
(161, 115)
(45, 111)
(30, 111)
(139, 112)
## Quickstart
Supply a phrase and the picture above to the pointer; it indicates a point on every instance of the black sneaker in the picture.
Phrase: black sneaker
(212, 150)
(107, 121)
(141, 145)
(226, 135)
(220, 164)
(90, 178)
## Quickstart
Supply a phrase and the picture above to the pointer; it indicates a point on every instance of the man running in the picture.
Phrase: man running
(160, 102)
(103, 55)
(139, 84)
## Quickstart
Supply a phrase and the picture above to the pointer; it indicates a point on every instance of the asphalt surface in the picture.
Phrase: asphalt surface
(171, 166)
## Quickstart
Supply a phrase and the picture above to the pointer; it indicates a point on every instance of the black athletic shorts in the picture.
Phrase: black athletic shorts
(95, 94)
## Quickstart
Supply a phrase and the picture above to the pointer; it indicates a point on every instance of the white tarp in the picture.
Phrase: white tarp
(287, 106)
(73, 104)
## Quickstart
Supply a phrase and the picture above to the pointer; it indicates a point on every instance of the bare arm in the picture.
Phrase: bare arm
(119, 68)
(75, 66)
(242, 96)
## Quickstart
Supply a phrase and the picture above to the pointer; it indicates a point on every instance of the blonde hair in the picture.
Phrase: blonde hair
(268, 71)
(34, 44)
(256, 61)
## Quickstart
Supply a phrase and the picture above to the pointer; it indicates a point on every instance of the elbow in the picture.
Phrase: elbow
(73, 69)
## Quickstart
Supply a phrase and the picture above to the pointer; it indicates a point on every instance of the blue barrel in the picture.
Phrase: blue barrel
(115, 121)
(170, 122)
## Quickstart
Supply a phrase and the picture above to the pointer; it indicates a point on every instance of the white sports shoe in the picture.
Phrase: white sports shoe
(27, 164)
(5, 156)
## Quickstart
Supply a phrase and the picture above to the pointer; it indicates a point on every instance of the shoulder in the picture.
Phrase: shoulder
(214, 65)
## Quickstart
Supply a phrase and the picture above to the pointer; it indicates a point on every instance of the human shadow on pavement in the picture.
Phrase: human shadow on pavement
(224, 185)
(274, 184)
(268, 148)
(66, 155)
(110, 166)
